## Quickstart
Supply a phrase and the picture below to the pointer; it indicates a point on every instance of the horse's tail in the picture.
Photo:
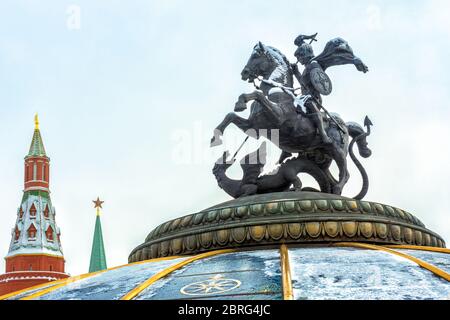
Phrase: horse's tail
(361, 141)
(230, 186)
(355, 131)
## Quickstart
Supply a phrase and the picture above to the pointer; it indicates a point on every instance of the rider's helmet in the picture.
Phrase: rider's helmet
(304, 52)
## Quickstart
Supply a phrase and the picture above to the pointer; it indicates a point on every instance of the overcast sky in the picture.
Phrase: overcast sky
(128, 93)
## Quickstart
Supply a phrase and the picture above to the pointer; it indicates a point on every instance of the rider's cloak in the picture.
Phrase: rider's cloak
(337, 52)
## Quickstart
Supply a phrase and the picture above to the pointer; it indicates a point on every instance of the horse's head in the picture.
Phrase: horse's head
(269, 63)
(259, 64)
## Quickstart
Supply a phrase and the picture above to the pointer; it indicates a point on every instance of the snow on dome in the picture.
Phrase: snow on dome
(319, 272)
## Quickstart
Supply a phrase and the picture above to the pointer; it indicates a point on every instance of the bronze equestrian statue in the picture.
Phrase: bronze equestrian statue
(304, 126)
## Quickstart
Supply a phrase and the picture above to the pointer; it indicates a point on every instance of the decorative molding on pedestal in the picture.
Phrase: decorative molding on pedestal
(289, 217)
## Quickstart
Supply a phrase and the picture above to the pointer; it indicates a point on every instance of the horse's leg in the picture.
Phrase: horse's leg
(272, 108)
(231, 118)
(344, 175)
(330, 178)
(297, 183)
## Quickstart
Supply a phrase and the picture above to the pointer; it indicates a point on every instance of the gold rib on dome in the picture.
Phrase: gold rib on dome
(37, 145)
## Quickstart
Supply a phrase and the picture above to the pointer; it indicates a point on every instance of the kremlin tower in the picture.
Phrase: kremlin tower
(98, 258)
(35, 255)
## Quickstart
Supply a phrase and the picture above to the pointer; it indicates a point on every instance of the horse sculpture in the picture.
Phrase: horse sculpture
(274, 108)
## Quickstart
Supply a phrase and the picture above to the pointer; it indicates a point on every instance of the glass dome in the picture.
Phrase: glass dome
(340, 271)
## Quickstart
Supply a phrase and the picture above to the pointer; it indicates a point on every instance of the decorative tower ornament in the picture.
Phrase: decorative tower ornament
(98, 257)
(35, 254)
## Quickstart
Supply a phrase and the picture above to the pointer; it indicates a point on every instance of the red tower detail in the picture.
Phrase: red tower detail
(35, 254)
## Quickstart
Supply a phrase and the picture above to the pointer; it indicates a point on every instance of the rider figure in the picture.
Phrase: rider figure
(305, 55)
(336, 52)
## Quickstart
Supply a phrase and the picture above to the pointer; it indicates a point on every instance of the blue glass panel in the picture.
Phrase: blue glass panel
(30, 292)
(110, 285)
(440, 260)
(355, 274)
(240, 275)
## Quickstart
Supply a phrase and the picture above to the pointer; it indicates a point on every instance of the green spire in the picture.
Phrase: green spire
(98, 258)
(37, 146)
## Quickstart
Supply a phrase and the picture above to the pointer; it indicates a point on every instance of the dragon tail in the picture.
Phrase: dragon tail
(362, 142)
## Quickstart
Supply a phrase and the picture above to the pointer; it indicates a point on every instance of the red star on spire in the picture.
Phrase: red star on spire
(98, 203)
